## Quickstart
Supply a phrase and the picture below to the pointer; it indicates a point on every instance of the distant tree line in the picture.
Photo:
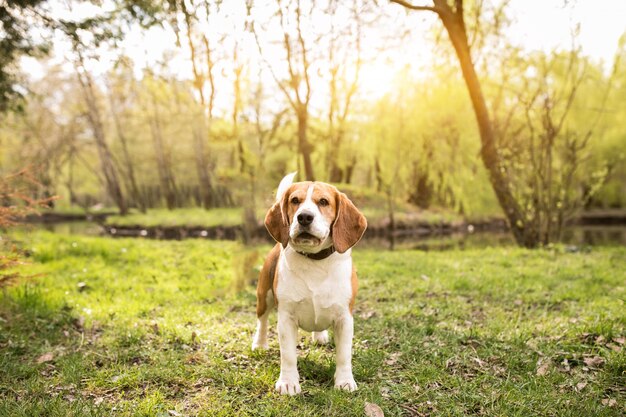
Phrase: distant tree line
(271, 90)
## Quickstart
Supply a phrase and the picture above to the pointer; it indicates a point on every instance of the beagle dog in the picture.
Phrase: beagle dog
(309, 275)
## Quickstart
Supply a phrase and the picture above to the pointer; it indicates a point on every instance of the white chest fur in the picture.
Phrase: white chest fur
(314, 292)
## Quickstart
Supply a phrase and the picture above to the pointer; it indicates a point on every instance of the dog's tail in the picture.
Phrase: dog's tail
(284, 184)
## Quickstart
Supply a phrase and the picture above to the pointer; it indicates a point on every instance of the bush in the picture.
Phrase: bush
(16, 202)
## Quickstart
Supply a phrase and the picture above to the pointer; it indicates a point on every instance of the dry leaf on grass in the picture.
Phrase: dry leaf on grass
(393, 358)
(372, 410)
(609, 402)
(593, 361)
(46, 357)
(542, 367)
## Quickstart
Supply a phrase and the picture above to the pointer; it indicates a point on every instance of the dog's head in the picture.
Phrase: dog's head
(312, 216)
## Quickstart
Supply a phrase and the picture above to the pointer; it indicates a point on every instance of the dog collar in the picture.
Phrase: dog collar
(323, 254)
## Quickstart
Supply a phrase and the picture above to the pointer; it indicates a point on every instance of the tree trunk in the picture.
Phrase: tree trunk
(455, 27)
(106, 160)
(304, 146)
(452, 20)
(202, 124)
(166, 177)
(206, 188)
(347, 178)
(335, 172)
(378, 175)
(132, 182)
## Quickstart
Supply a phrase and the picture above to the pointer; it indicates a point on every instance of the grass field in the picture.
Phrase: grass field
(181, 217)
(155, 328)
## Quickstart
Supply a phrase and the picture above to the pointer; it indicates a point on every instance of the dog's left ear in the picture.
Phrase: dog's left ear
(349, 225)
(276, 221)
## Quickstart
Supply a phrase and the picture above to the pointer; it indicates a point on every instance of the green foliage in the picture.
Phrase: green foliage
(15, 42)
(427, 131)
(138, 327)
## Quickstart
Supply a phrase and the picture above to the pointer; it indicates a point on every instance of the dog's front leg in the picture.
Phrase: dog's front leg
(288, 382)
(344, 330)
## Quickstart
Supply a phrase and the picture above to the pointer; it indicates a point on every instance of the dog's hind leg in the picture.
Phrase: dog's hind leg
(262, 324)
(265, 298)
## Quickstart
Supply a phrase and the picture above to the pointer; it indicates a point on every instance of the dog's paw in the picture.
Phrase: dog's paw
(288, 386)
(345, 383)
(320, 338)
(260, 344)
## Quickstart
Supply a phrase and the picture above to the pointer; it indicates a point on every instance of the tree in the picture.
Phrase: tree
(546, 152)
(16, 19)
(296, 88)
(94, 116)
(118, 100)
(345, 66)
(162, 152)
(452, 18)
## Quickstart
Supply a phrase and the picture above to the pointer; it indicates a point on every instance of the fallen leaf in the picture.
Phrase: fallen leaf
(393, 358)
(580, 386)
(372, 410)
(367, 314)
(542, 367)
(593, 361)
(174, 413)
(620, 340)
(614, 347)
(609, 402)
(46, 357)
(479, 362)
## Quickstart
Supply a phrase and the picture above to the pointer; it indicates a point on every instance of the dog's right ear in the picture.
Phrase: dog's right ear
(277, 221)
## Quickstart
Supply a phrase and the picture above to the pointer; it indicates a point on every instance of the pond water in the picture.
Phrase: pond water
(574, 236)
(577, 236)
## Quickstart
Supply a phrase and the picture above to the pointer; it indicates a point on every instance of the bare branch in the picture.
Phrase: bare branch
(269, 66)
(415, 7)
(305, 62)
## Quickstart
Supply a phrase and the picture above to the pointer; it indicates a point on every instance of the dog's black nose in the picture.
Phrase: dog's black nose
(305, 218)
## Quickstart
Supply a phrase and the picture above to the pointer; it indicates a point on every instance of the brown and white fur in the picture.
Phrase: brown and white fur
(310, 220)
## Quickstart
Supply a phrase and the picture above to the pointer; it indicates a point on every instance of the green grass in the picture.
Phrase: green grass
(138, 327)
(234, 216)
(372, 203)
(181, 217)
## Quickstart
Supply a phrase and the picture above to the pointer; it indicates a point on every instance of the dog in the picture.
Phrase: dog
(309, 276)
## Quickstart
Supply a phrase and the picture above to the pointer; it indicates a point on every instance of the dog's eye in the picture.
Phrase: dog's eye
(295, 200)
(323, 202)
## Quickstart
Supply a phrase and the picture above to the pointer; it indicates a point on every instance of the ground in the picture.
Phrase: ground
(154, 328)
